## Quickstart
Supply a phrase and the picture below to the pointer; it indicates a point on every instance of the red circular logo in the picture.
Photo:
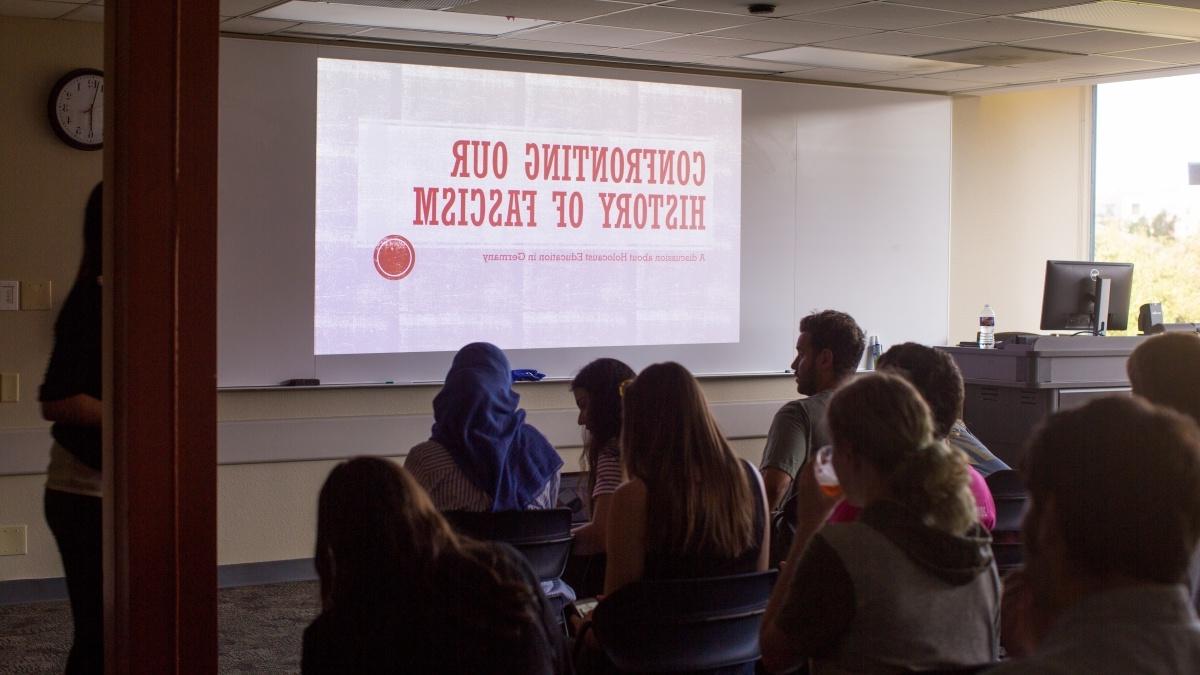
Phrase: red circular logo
(394, 257)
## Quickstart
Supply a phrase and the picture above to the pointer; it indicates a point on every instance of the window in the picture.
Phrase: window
(1147, 173)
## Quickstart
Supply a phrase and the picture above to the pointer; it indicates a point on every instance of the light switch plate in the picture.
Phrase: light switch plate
(13, 540)
(10, 387)
(10, 295)
(37, 295)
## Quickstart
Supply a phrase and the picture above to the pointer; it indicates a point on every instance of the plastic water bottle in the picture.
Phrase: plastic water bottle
(987, 328)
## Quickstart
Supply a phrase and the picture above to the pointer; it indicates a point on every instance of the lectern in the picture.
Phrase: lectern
(1011, 388)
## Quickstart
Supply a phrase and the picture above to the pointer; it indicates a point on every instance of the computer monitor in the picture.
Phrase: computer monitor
(1086, 296)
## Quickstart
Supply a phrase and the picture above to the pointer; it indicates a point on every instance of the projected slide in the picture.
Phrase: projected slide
(528, 210)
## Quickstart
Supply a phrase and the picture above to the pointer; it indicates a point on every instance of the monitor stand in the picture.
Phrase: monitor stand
(1100, 313)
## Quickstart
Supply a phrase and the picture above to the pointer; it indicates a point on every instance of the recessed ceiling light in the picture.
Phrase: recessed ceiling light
(840, 58)
(1127, 16)
(391, 17)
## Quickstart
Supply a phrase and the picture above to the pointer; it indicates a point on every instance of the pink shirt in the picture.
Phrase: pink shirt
(844, 512)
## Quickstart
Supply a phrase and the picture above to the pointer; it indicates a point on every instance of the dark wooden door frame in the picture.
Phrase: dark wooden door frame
(160, 170)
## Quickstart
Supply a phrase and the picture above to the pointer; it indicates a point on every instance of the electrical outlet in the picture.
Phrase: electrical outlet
(37, 295)
(10, 295)
(13, 540)
(10, 387)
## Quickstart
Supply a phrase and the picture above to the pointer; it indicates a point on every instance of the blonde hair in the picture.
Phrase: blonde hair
(698, 499)
(887, 423)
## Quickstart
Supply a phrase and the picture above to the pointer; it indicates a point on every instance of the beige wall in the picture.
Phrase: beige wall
(43, 187)
(1021, 195)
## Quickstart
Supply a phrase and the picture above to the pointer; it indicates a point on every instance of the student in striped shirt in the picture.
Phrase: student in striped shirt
(597, 390)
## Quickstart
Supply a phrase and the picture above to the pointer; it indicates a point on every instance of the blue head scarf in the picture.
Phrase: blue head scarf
(477, 420)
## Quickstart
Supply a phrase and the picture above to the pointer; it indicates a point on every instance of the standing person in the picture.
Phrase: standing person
(1113, 518)
(597, 391)
(827, 353)
(70, 398)
(911, 585)
(481, 455)
(401, 592)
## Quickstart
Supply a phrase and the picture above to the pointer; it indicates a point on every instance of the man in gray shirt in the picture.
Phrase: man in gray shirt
(827, 353)
(1114, 515)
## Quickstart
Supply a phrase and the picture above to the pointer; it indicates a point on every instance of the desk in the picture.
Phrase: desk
(1013, 387)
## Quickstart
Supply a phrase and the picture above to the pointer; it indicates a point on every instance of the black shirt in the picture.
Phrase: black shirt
(75, 367)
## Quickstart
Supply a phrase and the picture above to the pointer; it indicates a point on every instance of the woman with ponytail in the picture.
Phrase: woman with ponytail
(911, 585)
(401, 592)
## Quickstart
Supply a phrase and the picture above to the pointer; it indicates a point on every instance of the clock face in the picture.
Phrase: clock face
(77, 109)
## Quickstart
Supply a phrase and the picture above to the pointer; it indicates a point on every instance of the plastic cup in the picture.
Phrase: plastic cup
(826, 477)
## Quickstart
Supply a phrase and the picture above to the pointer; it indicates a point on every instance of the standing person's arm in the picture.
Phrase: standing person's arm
(79, 410)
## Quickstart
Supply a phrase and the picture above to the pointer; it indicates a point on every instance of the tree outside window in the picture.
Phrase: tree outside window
(1147, 211)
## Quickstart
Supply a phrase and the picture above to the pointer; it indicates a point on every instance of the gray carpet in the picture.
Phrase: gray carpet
(260, 629)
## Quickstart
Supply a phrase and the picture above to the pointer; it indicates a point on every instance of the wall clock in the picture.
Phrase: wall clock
(77, 108)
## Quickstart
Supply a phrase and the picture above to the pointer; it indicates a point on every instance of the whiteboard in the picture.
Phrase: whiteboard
(845, 205)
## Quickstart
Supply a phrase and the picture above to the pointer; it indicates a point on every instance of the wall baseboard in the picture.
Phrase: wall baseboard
(24, 591)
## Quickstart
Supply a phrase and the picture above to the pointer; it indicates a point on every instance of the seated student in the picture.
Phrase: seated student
(937, 378)
(402, 593)
(597, 390)
(935, 374)
(482, 456)
(911, 585)
(1114, 516)
(690, 508)
(1166, 370)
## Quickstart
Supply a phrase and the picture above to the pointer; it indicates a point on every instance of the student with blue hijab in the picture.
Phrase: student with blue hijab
(481, 455)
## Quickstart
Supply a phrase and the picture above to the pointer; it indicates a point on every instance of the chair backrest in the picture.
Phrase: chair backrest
(542, 536)
(686, 625)
(1008, 491)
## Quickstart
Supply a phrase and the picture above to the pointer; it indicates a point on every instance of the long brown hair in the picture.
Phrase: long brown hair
(698, 499)
(887, 423)
(602, 380)
(382, 547)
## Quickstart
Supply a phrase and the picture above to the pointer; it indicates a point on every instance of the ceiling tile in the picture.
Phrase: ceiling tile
(999, 55)
(884, 16)
(240, 7)
(326, 29)
(672, 20)
(1099, 42)
(35, 9)
(932, 84)
(999, 30)
(990, 7)
(521, 44)
(586, 34)
(398, 18)
(791, 32)
(1095, 65)
(89, 13)
(839, 75)
(838, 58)
(1140, 17)
(710, 46)
(657, 57)
(782, 7)
(255, 26)
(1184, 53)
(997, 75)
(1194, 4)
(405, 35)
(548, 10)
(745, 64)
(903, 44)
